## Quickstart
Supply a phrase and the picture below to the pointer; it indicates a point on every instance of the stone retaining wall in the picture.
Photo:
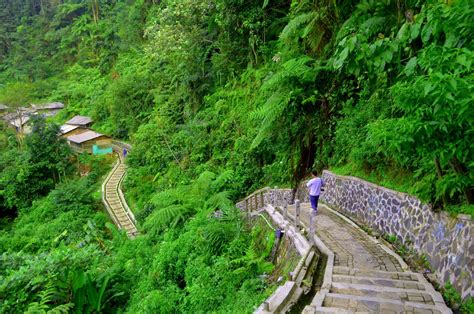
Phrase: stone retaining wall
(446, 241)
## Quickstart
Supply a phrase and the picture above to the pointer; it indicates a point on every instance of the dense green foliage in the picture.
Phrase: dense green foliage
(31, 169)
(267, 89)
(258, 92)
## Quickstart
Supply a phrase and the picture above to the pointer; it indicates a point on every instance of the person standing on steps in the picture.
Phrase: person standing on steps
(314, 188)
(124, 152)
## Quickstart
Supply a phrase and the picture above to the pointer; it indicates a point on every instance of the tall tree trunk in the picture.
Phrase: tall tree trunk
(460, 169)
(439, 173)
(95, 10)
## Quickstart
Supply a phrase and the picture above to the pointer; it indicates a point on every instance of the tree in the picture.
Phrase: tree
(48, 152)
(25, 175)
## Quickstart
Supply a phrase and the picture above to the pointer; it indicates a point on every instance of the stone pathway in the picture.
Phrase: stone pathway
(366, 275)
(114, 200)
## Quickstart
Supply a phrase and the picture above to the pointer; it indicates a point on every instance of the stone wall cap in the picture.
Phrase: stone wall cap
(401, 194)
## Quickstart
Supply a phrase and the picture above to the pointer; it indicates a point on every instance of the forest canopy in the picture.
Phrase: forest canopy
(218, 98)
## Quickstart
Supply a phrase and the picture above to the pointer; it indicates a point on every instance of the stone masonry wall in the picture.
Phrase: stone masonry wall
(446, 241)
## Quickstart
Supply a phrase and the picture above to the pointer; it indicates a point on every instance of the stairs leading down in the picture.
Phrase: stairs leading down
(365, 276)
(114, 200)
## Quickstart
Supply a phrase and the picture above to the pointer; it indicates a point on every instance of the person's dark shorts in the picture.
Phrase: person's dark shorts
(314, 201)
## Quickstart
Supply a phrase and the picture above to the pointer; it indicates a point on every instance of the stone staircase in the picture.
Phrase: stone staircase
(361, 290)
(114, 200)
(364, 275)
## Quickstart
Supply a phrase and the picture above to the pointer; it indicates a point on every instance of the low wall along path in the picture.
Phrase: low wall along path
(361, 273)
(447, 242)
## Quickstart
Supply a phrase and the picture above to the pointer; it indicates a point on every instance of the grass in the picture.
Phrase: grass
(391, 179)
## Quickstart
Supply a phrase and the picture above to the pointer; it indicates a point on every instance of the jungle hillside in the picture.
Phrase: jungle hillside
(218, 98)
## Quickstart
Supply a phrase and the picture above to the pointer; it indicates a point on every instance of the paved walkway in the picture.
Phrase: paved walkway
(114, 200)
(366, 275)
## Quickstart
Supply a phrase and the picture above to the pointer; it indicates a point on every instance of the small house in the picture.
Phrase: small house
(48, 106)
(81, 121)
(67, 130)
(18, 121)
(49, 109)
(85, 142)
(3, 108)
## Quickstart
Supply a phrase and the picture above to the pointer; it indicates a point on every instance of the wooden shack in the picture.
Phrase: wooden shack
(85, 141)
(81, 121)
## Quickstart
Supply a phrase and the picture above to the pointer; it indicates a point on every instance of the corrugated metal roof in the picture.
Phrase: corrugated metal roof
(13, 116)
(79, 120)
(48, 106)
(18, 122)
(10, 116)
(84, 137)
(66, 128)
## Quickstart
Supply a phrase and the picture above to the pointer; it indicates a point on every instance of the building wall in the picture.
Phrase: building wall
(100, 141)
(74, 132)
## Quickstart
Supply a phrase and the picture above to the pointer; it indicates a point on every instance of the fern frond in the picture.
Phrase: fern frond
(272, 109)
(218, 235)
(62, 309)
(165, 198)
(165, 216)
(222, 179)
(36, 307)
(203, 182)
(297, 67)
(220, 200)
(295, 27)
(251, 252)
(277, 80)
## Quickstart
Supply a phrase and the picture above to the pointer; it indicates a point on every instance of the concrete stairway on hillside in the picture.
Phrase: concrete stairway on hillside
(114, 200)
(366, 276)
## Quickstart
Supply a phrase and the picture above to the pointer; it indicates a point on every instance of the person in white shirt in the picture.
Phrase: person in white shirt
(314, 188)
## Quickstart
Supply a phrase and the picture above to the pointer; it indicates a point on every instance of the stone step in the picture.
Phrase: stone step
(358, 272)
(322, 309)
(381, 292)
(402, 284)
(125, 221)
(116, 208)
(366, 304)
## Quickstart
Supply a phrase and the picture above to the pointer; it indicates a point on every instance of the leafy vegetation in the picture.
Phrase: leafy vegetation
(218, 98)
